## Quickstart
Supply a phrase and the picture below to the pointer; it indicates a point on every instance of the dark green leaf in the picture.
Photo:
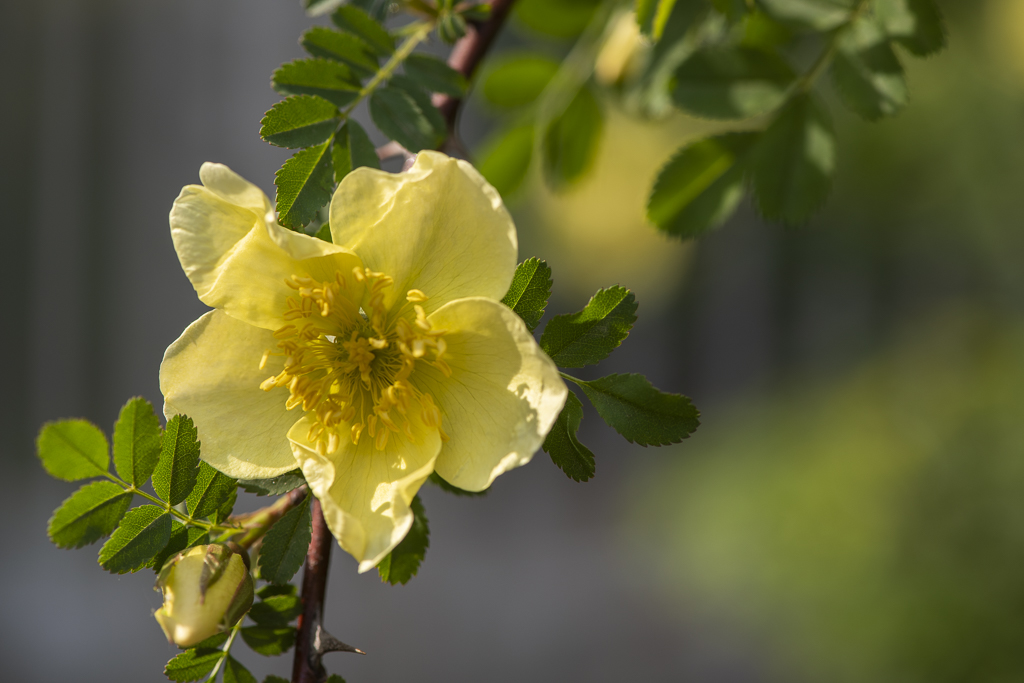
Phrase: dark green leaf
(143, 533)
(175, 474)
(324, 233)
(422, 99)
(678, 40)
(269, 642)
(571, 140)
(271, 590)
(762, 32)
(213, 491)
(587, 337)
(304, 184)
(439, 481)
(324, 78)
(916, 24)
(213, 641)
(558, 18)
(136, 442)
(359, 23)
(519, 80)
(352, 149)
(793, 162)
(653, 16)
(435, 75)
(284, 546)
(276, 611)
(234, 672)
(565, 449)
(275, 486)
(732, 9)
(73, 450)
(701, 185)
(400, 118)
(300, 121)
(528, 294)
(867, 73)
(820, 15)
(505, 160)
(192, 665)
(91, 512)
(182, 537)
(641, 413)
(342, 47)
(732, 82)
(335, 678)
(403, 562)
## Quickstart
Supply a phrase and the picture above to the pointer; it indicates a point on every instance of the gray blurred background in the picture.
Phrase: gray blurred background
(850, 510)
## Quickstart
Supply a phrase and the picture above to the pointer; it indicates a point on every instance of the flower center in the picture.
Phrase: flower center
(349, 364)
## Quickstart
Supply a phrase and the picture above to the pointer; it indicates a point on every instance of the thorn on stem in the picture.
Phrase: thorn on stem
(324, 642)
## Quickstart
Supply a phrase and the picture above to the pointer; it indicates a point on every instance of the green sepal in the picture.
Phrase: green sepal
(352, 149)
(73, 449)
(587, 337)
(176, 473)
(91, 512)
(566, 451)
(285, 545)
(299, 121)
(304, 184)
(434, 75)
(213, 496)
(269, 642)
(631, 405)
(192, 665)
(732, 82)
(571, 140)
(357, 22)
(518, 80)
(136, 442)
(400, 117)
(274, 589)
(529, 292)
(346, 48)
(402, 563)
(505, 160)
(143, 533)
(276, 611)
(275, 486)
(234, 672)
(333, 81)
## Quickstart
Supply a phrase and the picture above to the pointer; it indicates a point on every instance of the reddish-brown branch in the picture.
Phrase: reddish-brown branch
(307, 667)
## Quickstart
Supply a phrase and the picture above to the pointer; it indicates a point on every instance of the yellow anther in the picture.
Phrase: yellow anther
(415, 296)
(263, 361)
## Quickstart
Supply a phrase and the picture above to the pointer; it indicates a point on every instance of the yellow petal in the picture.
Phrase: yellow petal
(438, 227)
(212, 374)
(237, 256)
(364, 492)
(502, 398)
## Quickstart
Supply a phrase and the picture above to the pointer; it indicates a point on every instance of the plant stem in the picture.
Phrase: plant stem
(226, 650)
(386, 71)
(806, 82)
(258, 523)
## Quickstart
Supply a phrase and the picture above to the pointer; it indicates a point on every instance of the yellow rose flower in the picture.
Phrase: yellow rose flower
(370, 362)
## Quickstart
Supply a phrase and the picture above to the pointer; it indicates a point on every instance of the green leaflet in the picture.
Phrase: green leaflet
(192, 665)
(73, 450)
(352, 149)
(402, 563)
(275, 486)
(175, 474)
(699, 188)
(143, 533)
(284, 546)
(434, 75)
(558, 18)
(867, 73)
(91, 512)
(276, 611)
(214, 494)
(437, 480)
(587, 337)
(639, 412)
(652, 15)
(529, 292)
(917, 25)
(234, 672)
(359, 23)
(331, 80)
(182, 537)
(505, 160)
(269, 642)
(794, 160)
(565, 449)
(136, 442)
(346, 48)
(820, 15)
(571, 140)
(518, 80)
(304, 184)
(398, 115)
(272, 590)
(299, 121)
(732, 82)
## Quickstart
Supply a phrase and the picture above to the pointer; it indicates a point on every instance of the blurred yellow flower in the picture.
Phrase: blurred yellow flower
(391, 341)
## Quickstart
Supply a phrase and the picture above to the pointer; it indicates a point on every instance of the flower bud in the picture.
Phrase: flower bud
(206, 590)
(451, 27)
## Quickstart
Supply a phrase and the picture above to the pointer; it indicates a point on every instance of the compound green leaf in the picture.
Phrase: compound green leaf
(275, 486)
(276, 611)
(136, 442)
(234, 672)
(434, 75)
(182, 537)
(732, 82)
(402, 563)
(176, 473)
(192, 665)
(529, 292)
(341, 47)
(699, 188)
(571, 140)
(915, 24)
(269, 642)
(565, 449)
(793, 162)
(299, 121)
(324, 78)
(398, 115)
(213, 493)
(352, 149)
(143, 533)
(285, 545)
(867, 72)
(820, 15)
(304, 184)
(73, 450)
(357, 22)
(639, 412)
(91, 512)
(587, 337)
(505, 160)
(518, 80)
